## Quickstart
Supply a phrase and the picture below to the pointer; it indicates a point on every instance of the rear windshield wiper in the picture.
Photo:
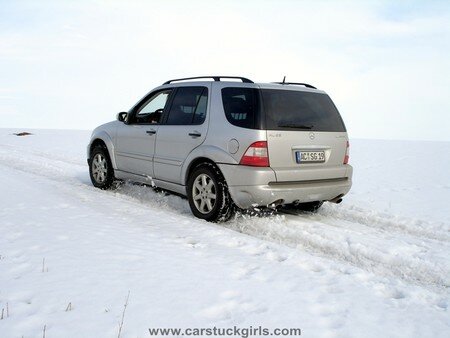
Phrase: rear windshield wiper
(293, 125)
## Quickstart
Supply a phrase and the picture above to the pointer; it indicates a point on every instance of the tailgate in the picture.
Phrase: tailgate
(306, 155)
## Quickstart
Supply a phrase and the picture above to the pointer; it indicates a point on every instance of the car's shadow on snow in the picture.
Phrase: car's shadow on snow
(163, 199)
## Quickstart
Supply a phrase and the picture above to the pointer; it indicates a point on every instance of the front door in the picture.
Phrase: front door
(135, 141)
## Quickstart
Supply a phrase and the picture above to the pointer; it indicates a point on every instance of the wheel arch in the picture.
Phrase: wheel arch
(195, 163)
(208, 154)
(97, 142)
(104, 140)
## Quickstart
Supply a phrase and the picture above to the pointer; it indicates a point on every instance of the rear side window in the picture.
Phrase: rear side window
(188, 106)
(298, 110)
(241, 106)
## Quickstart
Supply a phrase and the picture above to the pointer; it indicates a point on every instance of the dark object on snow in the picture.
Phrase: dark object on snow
(24, 133)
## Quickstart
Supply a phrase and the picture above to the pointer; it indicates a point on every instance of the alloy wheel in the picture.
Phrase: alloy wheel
(204, 193)
(99, 168)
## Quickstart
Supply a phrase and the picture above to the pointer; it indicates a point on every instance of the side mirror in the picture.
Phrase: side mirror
(122, 116)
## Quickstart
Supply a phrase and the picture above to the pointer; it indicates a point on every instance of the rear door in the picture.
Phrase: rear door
(184, 128)
(306, 136)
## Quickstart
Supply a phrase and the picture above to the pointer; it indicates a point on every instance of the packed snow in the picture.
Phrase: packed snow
(376, 265)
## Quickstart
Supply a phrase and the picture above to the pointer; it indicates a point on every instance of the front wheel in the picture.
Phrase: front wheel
(208, 194)
(100, 168)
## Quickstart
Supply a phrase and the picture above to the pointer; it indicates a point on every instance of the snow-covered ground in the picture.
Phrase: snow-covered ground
(377, 265)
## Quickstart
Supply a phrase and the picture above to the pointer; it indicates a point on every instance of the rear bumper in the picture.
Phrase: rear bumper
(251, 187)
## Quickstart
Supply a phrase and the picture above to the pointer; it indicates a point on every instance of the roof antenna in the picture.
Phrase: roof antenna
(284, 78)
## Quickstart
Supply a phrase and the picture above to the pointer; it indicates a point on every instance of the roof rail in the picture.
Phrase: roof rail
(296, 83)
(216, 78)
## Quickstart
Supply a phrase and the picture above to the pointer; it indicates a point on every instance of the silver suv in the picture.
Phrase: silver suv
(228, 143)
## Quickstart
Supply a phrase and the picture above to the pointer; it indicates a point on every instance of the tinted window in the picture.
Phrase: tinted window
(188, 106)
(286, 109)
(200, 112)
(241, 106)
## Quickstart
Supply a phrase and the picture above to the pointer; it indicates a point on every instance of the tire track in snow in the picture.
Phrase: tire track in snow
(408, 258)
(349, 241)
(44, 155)
(370, 218)
(39, 164)
(379, 220)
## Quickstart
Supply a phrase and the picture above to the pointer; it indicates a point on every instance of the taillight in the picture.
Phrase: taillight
(256, 155)
(347, 153)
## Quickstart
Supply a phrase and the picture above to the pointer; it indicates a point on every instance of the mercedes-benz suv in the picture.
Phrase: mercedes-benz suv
(227, 144)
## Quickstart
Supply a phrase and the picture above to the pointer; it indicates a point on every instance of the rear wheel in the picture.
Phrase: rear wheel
(100, 168)
(208, 194)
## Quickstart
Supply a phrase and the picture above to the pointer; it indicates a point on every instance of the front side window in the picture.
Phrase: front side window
(188, 106)
(152, 110)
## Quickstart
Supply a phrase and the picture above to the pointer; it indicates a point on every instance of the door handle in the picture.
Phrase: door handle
(195, 134)
(151, 132)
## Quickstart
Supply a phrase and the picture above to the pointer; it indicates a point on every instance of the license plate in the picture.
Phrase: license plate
(309, 156)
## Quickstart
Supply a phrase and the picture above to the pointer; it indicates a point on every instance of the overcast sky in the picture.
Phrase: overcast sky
(75, 64)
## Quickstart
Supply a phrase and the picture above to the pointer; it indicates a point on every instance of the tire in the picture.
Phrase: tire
(307, 207)
(100, 168)
(204, 182)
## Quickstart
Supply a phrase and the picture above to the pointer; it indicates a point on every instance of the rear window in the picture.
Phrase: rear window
(298, 110)
(241, 106)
